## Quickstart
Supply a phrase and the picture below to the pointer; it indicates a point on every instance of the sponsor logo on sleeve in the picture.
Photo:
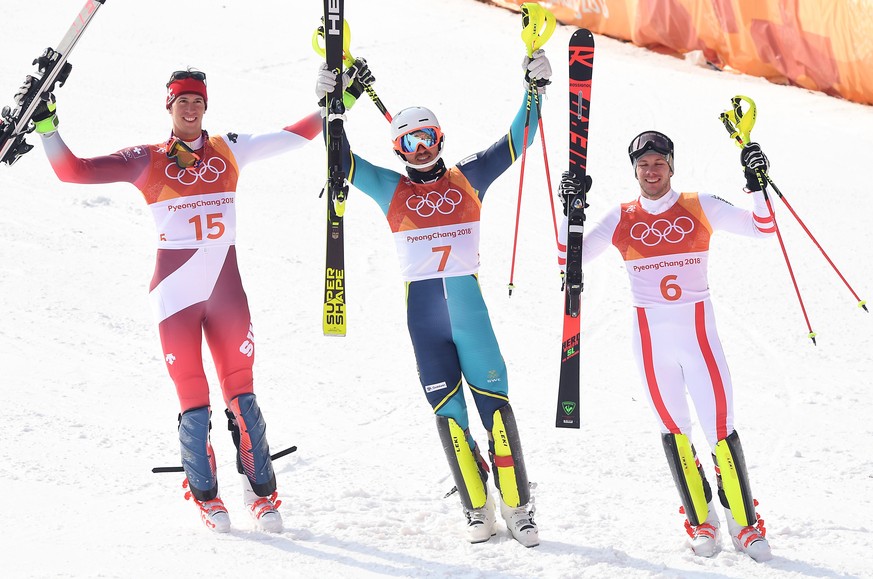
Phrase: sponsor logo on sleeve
(434, 387)
(134, 153)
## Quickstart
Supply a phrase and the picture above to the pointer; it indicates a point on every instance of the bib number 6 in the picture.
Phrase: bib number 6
(670, 289)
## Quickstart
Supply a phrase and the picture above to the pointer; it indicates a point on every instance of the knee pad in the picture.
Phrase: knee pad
(249, 432)
(198, 460)
(467, 466)
(733, 480)
(510, 475)
(694, 490)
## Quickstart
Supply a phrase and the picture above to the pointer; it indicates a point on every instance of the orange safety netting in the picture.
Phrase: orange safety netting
(823, 45)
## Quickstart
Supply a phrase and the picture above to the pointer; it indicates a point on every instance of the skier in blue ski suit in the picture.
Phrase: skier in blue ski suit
(434, 215)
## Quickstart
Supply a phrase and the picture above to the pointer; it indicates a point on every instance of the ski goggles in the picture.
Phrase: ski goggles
(184, 74)
(650, 141)
(426, 137)
(182, 154)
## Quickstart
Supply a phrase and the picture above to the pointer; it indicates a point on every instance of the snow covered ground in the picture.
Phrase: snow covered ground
(89, 409)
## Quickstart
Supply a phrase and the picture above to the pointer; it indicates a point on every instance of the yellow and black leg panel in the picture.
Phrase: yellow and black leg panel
(733, 480)
(694, 490)
(467, 466)
(510, 475)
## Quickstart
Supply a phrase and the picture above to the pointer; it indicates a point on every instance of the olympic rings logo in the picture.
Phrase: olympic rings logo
(208, 171)
(434, 202)
(662, 230)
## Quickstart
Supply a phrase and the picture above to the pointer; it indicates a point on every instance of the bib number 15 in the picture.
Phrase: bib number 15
(214, 226)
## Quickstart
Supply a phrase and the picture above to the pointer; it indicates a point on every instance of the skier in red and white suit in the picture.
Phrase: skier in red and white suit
(663, 237)
(189, 183)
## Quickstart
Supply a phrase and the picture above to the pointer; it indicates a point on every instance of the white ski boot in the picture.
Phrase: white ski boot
(749, 540)
(482, 522)
(705, 537)
(213, 513)
(264, 510)
(519, 521)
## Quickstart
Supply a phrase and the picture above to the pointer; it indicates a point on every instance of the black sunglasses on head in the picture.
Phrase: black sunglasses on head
(650, 141)
(183, 74)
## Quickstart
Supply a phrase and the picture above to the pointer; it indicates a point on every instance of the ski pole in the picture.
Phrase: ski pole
(546, 160)
(163, 469)
(538, 24)
(861, 303)
(533, 39)
(742, 136)
(739, 125)
(531, 88)
(349, 61)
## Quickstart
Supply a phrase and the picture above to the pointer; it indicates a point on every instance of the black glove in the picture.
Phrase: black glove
(755, 164)
(571, 185)
(363, 73)
(362, 77)
(44, 118)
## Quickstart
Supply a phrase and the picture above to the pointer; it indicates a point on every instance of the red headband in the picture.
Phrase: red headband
(185, 86)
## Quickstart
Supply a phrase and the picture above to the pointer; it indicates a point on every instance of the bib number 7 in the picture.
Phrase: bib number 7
(446, 250)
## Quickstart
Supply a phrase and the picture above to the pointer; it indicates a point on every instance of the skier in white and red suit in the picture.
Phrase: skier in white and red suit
(663, 237)
(189, 182)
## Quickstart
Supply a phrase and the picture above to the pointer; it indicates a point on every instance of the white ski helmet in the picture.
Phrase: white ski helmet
(407, 121)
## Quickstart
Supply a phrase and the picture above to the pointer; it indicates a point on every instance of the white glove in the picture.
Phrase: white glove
(537, 66)
(326, 81)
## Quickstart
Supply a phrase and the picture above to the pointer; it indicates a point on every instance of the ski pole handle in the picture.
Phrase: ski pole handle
(739, 124)
(538, 24)
(348, 59)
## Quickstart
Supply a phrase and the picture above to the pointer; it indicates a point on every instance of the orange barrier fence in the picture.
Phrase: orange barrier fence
(823, 45)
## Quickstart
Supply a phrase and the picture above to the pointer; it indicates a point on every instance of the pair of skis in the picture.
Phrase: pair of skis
(334, 310)
(52, 69)
(581, 67)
